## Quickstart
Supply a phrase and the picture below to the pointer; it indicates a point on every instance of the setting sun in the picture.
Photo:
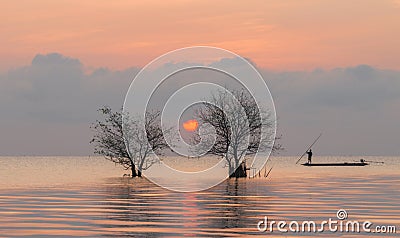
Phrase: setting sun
(191, 125)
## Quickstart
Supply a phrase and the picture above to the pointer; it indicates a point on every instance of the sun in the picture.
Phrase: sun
(191, 125)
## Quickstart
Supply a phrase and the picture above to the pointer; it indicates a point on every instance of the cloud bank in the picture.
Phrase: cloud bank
(47, 107)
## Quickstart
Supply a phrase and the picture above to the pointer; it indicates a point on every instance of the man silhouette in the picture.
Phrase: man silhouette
(309, 153)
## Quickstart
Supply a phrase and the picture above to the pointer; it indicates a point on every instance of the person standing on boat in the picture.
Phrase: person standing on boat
(309, 153)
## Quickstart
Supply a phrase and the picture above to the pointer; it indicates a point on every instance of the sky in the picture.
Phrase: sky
(279, 35)
(332, 66)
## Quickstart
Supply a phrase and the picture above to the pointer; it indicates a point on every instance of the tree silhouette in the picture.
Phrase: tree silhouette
(127, 140)
(237, 121)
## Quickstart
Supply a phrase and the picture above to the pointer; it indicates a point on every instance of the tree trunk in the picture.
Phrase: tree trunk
(240, 172)
(231, 171)
(140, 168)
(133, 169)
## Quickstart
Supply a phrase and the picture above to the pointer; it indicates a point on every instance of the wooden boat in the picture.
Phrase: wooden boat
(337, 164)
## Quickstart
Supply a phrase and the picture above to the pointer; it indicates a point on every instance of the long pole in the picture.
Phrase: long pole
(309, 148)
(369, 161)
(378, 162)
(269, 171)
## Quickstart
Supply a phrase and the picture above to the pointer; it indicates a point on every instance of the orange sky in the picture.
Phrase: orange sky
(279, 35)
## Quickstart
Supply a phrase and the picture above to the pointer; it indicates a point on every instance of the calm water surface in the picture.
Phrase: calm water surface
(80, 196)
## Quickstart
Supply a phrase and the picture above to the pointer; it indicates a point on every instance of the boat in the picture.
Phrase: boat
(337, 164)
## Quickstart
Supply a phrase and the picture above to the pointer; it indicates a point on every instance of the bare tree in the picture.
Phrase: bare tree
(144, 139)
(128, 141)
(237, 121)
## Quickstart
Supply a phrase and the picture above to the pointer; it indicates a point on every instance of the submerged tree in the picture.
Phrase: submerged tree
(144, 140)
(237, 121)
(128, 141)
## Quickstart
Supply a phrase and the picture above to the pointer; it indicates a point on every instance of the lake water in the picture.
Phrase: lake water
(82, 196)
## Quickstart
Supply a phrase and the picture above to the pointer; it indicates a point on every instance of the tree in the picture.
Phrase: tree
(237, 121)
(145, 139)
(128, 141)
